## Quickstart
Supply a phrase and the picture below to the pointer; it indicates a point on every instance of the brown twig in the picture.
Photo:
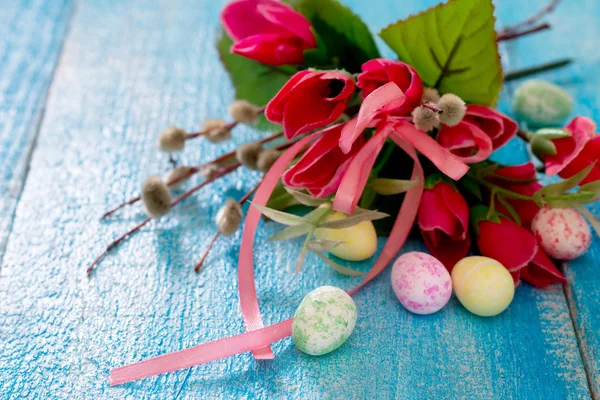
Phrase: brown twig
(229, 126)
(432, 107)
(523, 134)
(547, 9)
(191, 172)
(176, 201)
(513, 35)
(535, 70)
(218, 233)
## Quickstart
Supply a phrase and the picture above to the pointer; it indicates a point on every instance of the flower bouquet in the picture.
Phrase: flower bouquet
(372, 146)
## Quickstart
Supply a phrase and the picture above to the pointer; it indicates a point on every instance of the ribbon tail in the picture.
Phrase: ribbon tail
(246, 283)
(446, 162)
(202, 353)
(381, 98)
(356, 176)
(405, 218)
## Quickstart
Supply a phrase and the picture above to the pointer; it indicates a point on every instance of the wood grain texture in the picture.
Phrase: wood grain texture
(129, 69)
(575, 35)
(31, 35)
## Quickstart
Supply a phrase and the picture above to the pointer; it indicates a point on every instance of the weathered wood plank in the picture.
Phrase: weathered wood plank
(31, 35)
(574, 34)
(127, 71)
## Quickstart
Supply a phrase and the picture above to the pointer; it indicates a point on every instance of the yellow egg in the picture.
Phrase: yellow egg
(482, 285)
(360, 241)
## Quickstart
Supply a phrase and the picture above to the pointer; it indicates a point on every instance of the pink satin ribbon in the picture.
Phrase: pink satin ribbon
(246, 285)
(258, 338)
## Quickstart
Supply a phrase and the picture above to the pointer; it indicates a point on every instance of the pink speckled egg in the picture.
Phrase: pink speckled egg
(562, 232)
(421, 282)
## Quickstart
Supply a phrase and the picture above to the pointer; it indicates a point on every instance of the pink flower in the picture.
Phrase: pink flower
(567, 149)
(322, 167)
(444, 222)
(267, 31)
(588, 155)
(380, 71)
(310, 100)
(508, 243)
(482, 131)
(526, 209)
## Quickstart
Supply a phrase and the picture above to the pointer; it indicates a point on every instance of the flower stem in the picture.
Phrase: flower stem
(192, 171)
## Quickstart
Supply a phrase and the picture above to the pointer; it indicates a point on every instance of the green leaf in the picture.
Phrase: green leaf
(387, 187)
(591, 218)
(302, 229)
(566, 185)
(323, 245)
(511, 210)
(343, 39)
(253, 81)
(453, 47)
(280, 216)
(360, 215)
(553, 133)
(593, 187)
(471, 186)
(280, 199)
(570, 200)
(342, 270)
(305, 199)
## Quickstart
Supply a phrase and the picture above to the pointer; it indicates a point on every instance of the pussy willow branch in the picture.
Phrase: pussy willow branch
(531, 71)
(192, 171)
(176, 201)
(218, 233)
(229, 126)
(547, 9)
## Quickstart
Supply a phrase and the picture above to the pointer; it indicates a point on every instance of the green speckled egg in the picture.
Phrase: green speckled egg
(323, 321)
(541, 104)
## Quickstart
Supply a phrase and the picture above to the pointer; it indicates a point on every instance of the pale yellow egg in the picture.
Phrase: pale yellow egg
(360, 241)
(483, 285)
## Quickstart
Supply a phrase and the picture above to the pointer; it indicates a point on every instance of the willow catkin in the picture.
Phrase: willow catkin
(266, 159)
(177, 174)
(452, 108)
(430, 95)
(229, 217)
(216, 130)
(425, 119)
(247, 154)
(243, 112)
(156, 196)
(172, 139)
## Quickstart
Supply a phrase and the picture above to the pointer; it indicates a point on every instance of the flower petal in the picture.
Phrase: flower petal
(508, 243)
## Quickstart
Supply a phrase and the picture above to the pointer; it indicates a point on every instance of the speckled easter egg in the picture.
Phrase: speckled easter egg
(562, 232)
(541, 103)
(482, 285)
(421, 282)
(323, 321)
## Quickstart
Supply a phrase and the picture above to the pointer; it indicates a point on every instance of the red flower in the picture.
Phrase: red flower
(567, 149)
(444, 222)
(587, 156)
(508, 243)
(541, 271)
(482, 131)
(321, 168)
(267, 31)
(380, 71)
(513, 174)
(310, 100)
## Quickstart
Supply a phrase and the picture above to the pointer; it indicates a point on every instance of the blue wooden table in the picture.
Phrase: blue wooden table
(85, 86)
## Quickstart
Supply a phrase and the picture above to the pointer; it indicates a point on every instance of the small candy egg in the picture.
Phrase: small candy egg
(360, 240)
(541, 103)
(323, 321)
(421, 283)
(562, 232)
(482, 285)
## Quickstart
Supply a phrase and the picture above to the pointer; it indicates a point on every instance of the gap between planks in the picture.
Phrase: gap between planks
(37, 127)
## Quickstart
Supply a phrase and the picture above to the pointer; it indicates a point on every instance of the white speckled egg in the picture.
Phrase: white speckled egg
(562, 232)
(323, 321)
(421, 282)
